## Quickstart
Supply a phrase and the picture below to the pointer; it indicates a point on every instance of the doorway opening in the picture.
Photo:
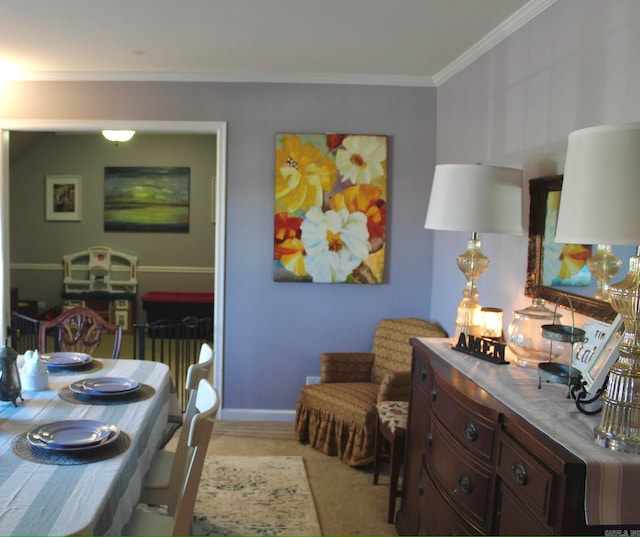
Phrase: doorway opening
(216, 128)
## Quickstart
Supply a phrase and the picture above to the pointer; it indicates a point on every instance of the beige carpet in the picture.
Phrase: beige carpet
(255, 496)
(346, 500)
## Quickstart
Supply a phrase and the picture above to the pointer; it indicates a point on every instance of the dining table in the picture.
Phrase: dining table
(81, 491)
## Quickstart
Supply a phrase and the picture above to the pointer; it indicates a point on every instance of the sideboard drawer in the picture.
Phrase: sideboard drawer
(465, 480)
(532, 482)
(468, 427)
(436, 515)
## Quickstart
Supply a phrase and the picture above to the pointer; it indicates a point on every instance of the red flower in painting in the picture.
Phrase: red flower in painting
(334, 141)
(288, 248)
(287, 227)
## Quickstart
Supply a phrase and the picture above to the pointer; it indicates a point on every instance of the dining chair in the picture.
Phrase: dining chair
(162, 481)
(200, 428)
(79, 329)
(391, 429)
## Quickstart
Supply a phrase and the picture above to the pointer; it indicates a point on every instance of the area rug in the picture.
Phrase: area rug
(255, 496)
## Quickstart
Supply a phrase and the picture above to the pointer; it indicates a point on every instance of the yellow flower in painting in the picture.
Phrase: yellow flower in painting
(291, 254)
(361, 160)
(366, 199)
(573, 258)
(336, 242)
(303, 173)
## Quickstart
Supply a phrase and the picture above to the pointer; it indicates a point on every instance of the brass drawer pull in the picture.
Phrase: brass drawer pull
(470, 432)
(465, 484)
(434, 393)
(423, 372)
(519, 470)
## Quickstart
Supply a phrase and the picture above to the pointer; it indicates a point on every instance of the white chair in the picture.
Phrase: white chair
(167, 468)
(200, 427)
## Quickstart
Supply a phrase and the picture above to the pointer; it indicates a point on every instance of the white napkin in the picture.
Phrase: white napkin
(34, 375)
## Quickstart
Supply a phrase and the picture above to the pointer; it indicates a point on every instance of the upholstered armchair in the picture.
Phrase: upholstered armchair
(338, 416)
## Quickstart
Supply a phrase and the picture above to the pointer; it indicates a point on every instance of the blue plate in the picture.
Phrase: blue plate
(66, 359)
(105, 386)
(71, 435)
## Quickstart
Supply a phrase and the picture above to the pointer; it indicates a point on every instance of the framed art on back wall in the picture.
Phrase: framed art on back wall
(63, 198)
(149, 198)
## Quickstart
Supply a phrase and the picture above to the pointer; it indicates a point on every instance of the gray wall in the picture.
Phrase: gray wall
(276, 331)
(575, 65)
(39, 244)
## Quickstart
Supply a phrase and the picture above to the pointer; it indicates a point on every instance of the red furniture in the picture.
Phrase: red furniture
(163, 305)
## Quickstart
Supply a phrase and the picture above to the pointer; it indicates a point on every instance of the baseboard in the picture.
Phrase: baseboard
(251, 414)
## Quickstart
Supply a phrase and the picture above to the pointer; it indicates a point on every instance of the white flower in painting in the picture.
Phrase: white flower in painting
(335, 242)
(361, 160)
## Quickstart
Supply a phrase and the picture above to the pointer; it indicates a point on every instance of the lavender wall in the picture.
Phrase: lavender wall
(575, 65)
(276, 331)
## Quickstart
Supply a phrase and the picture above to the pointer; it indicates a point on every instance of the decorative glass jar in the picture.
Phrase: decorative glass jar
(524, 335)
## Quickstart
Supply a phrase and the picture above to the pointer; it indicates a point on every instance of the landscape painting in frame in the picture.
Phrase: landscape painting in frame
(146, 199)
(330, 208)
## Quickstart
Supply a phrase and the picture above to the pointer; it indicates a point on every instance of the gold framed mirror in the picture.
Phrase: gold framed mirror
(538, 285)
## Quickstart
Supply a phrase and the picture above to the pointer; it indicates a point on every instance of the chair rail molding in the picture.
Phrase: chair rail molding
(141, 268)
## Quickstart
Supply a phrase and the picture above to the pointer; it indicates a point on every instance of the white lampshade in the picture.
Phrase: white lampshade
(118, 135)
(477, 198)
(601, 187)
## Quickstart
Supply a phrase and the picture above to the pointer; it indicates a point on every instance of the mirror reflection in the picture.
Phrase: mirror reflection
(563, 269)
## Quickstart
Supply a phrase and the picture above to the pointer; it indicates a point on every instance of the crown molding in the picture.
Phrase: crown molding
(241, 77)
(529, 11)
(521, 17)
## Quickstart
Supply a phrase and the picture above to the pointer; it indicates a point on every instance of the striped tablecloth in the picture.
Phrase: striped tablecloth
(88, 499)
(612, 493)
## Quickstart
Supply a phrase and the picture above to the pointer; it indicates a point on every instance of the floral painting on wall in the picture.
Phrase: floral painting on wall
(330, 208)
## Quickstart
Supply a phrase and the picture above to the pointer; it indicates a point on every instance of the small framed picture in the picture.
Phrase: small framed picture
(63, 198)
(606, 355)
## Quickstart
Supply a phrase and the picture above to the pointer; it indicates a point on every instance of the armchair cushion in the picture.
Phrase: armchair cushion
(338, 416)
(339, 419)
(395, 387)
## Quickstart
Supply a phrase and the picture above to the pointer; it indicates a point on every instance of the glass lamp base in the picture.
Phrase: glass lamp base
(619, 428)
(607, 440)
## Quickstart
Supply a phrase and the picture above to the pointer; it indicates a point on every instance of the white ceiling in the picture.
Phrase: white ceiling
(396, 42)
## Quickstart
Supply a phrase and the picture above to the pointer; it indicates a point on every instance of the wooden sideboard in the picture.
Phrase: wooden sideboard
(474, 466)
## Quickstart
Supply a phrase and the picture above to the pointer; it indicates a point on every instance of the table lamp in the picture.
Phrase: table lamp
(479, 199)
(599, 205)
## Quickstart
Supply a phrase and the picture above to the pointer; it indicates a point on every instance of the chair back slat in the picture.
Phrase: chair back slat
(79, 329)
(200, 428)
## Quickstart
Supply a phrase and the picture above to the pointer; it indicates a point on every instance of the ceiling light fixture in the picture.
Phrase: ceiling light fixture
(118, 135)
